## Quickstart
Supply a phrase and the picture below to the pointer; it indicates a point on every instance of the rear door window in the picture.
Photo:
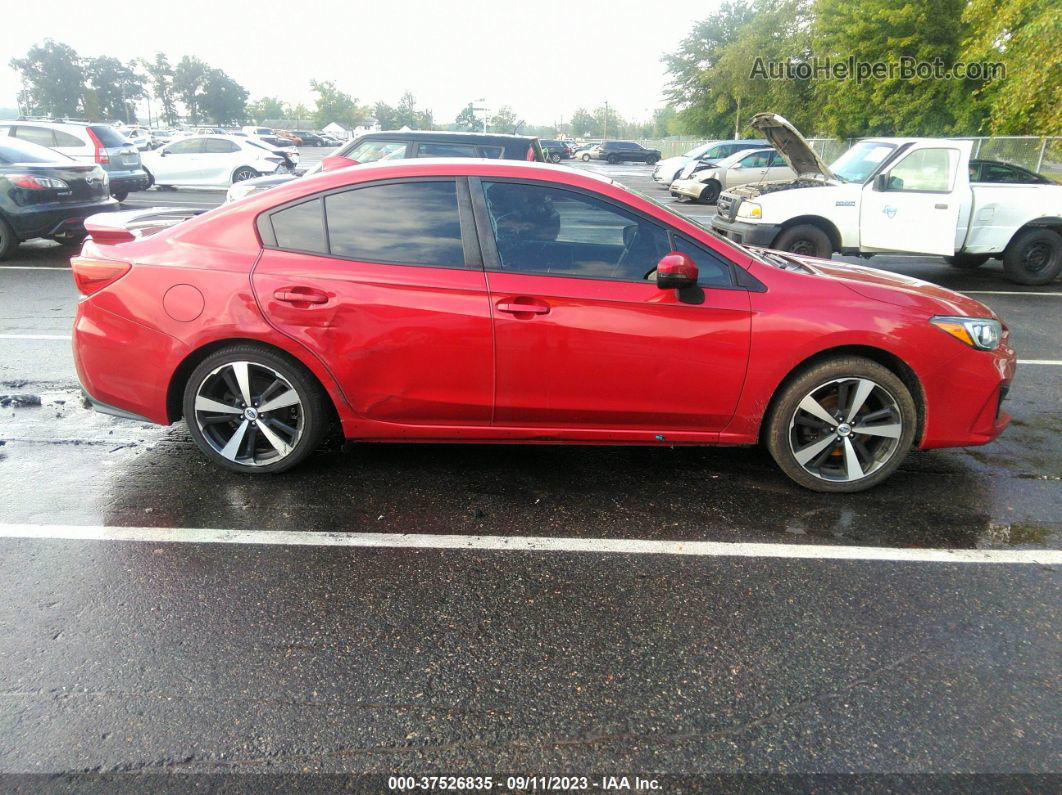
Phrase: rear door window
(370, 151)
(400, 223)
(42, 136)
(446, 150)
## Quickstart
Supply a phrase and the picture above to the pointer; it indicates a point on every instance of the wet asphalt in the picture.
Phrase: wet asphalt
(193, 658)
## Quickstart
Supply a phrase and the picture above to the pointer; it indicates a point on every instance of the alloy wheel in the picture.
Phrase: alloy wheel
(243, 174)
(845, 430)
(249, 413)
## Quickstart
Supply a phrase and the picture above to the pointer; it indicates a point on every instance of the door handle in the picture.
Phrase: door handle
(940, 206)
(517, 309)
(300, 295)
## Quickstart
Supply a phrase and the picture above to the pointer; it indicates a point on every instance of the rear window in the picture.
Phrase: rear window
(108, 135)
(13, 150)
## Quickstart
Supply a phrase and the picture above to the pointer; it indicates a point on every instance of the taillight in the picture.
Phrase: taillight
(101, 153)
(33, 182)
(92, 275)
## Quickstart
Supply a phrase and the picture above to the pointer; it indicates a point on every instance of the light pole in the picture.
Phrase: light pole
(485, 112)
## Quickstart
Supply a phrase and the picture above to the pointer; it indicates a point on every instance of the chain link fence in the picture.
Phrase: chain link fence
(1040, 154)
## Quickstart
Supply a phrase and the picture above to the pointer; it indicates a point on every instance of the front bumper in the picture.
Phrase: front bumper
(964, 401)
(746, 233)
(688, 188)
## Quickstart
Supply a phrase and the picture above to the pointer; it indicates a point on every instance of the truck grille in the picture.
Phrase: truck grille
(727, 206)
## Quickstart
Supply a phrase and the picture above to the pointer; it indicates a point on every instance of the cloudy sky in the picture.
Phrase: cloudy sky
(541, 58)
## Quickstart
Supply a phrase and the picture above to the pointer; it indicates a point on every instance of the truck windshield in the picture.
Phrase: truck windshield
(859, 162)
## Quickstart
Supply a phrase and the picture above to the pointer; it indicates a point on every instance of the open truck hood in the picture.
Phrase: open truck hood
(784, 137)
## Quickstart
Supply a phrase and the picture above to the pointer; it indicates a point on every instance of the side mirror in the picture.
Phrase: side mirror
(675, 271)
(881, 183)
(332, 162)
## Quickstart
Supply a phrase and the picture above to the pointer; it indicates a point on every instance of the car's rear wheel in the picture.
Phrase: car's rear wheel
(804, 239)
(1034, 257)
(967, 262)
(554, 157)
(710, 192)
(250, 409)
(612, 159)
(243, 173)
(121, 195)
(844, 425)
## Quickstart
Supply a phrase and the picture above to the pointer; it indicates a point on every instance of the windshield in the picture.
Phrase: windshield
(699, 150)
(859, 162)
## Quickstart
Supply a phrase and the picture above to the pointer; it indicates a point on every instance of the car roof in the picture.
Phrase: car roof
(414, 135)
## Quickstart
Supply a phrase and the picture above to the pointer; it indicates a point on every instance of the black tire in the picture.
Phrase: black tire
(710, 192)
(244, 173)
(8, 241)
(554, 157)
(586, 158)
(790, 427)
(151, 179)
(967, 262)
(612, 159)
(311, 414)
(807, 240)
(1034, 257)
(652, 160)
(121, 195)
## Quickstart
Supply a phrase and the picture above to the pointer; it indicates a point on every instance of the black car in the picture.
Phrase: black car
(621, 152)
(1004, 173)
(309, 138)
(555, 150)
(404, 144)
(46, 194)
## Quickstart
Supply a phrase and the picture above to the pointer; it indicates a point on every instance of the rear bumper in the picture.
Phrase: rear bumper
(56, 220)
(129, 182)
(748, 234)
(115, 382)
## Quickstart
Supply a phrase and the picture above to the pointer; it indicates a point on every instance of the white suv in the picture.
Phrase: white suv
(89, 143)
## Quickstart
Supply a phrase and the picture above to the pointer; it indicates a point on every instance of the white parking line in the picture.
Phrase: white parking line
(192, 535)
(1050, 362)
(33, 268)
(1009, 292)
(35, 337)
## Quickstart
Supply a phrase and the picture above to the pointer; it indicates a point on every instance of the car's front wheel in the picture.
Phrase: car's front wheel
(8, 241)
(250, 409)
(804, 239)
(710, 192)
(843, 425)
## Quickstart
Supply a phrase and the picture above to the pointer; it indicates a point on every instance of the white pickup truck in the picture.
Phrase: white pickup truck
(896, 195)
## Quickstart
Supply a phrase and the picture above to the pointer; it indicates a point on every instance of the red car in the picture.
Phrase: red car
(487, 301)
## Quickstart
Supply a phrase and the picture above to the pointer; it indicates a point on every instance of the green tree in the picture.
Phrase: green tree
(406, 114)
(300, 114)
(690, 87)
(223, 100)
(386, 116)
(266, 108)
(189, 80)
(160, 84)
(52, 80)
(1026, 37)
(336, 106)
(875, 31)
(116, 88)
(505, 120)
(665, 122)
(466, 119)
(584, 124)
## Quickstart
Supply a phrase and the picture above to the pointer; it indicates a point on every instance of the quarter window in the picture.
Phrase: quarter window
(301, 227)
(66, 140)
(546, 230)
(404, 223)
(713, 271)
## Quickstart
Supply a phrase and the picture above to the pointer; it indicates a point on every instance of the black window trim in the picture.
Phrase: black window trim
(469, 242)
(489, 248)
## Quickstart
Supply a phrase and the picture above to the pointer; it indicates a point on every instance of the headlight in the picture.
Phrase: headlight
(238, 191)
(976, 332)
(749, 210)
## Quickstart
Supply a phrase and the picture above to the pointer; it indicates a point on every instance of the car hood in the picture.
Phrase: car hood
(797, 152)
(894, 288)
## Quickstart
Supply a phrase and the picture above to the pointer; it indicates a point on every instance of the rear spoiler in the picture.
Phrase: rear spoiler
(110, 229)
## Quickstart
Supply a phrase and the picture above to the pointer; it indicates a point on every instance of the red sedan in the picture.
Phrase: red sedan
(484, 301)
